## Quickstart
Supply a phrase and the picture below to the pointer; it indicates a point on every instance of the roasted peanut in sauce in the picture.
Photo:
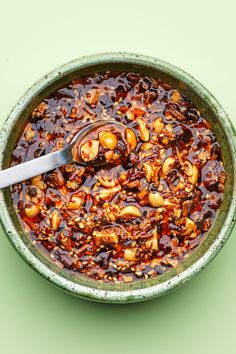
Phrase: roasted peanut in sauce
(151, 203)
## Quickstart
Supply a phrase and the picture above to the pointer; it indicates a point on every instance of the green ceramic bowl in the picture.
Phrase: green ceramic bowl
(217, 235)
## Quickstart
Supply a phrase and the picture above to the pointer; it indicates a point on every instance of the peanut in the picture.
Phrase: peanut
(112, 212)
(131, 139)
(38, 182)
(123, 176)
(55, 220)
(188, 168)
(106, 182)
(92, 96)
(32, 210)
(29, 134)
(130, 115)
(168, 165)
(108, 140)
(158, 125)
(130, 254)
(107, 193)
(89, 150)
(143, 131)
(111, 155)
(203, 155)
(154, 239)
(148, 171)
(155, 199)
(75, 202)
(176, 96)
(177, 213)
(130, 210)
(189, 226)
(193, 235)
(105, 237)
(194, 178)
(146, 146)
(72, 185)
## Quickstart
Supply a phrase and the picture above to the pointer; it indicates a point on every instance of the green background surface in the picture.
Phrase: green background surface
(199, 37)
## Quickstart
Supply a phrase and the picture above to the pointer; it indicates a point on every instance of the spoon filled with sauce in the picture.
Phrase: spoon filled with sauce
(96, 144)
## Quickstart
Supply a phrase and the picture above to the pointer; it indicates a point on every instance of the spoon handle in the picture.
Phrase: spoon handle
(34, 167)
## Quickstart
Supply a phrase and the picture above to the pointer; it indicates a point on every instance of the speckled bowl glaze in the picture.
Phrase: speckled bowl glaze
(217, 235)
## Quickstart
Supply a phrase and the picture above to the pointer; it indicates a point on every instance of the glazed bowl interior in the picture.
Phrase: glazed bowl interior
(209, 109)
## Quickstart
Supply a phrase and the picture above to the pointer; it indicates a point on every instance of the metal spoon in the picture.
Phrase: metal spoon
(50, 161)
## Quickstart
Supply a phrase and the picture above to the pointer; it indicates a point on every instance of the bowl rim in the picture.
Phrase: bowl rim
(123, 296)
